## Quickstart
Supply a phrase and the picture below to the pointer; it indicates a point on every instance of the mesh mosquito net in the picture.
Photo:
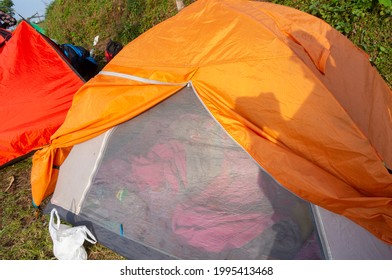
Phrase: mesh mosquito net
(172, 179)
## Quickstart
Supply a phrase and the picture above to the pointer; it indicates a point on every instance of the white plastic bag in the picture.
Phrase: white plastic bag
(68, 241)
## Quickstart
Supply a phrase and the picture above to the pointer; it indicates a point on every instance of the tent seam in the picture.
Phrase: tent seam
(139, 79)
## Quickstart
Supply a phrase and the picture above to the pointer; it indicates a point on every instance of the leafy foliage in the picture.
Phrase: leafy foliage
(6, 6)
(387, 3)
(78, 22)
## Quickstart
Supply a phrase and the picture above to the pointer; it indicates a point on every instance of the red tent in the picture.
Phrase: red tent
(36, 90)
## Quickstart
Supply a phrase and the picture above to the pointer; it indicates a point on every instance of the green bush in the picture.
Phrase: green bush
(78, 22)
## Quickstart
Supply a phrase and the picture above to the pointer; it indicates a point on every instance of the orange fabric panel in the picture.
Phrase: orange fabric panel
(99, 105)
(296, 94)
(351, 79)
(46, 163)
(36, 90)
(104, 103)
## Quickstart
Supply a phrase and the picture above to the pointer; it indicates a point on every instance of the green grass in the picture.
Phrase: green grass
(78, 22)
(23, 235)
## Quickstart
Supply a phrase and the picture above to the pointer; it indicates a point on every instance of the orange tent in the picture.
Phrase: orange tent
(36, 90)
(297, 95)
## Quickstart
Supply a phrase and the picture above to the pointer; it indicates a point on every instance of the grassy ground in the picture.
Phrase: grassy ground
(23, 234)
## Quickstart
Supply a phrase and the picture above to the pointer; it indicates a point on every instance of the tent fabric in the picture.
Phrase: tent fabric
(297, 95)
(36, 89)
(188, 190)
